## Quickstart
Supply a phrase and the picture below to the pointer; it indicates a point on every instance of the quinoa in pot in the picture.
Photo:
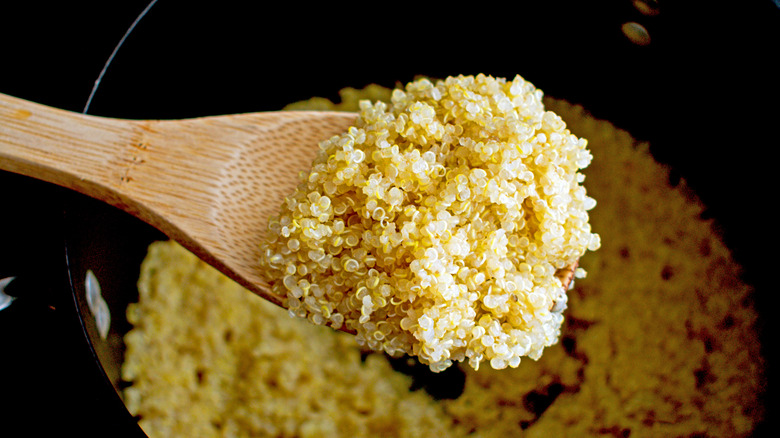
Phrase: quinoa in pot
(646, 347)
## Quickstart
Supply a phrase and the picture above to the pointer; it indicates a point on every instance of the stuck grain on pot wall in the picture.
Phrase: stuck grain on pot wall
(434, 227)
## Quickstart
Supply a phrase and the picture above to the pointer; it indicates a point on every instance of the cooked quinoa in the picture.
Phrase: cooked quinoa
(648, 348)
(436, 225)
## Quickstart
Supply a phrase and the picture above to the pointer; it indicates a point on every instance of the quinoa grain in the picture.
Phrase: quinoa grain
(443, 214)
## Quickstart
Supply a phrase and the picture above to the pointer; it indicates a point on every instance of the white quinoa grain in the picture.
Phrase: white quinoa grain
(438, 181)
(643, 354)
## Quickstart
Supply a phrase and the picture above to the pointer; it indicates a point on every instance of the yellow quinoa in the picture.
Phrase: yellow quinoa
(435, 226)
(648, 348)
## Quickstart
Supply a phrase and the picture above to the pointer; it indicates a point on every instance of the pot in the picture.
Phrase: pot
(696, 82)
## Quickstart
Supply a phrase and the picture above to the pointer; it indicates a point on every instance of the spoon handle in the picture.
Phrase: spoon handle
(117, 161)
(164, 172)
(84, 153)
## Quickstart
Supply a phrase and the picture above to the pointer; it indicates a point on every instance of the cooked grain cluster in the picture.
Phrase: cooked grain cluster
(659, 339)
(435, 226)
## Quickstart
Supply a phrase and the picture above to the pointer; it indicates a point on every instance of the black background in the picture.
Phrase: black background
(704, 92)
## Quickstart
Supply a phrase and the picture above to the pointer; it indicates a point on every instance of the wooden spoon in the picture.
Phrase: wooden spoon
(209, 183)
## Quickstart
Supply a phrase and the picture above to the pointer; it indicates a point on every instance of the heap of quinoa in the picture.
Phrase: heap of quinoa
(435, 226)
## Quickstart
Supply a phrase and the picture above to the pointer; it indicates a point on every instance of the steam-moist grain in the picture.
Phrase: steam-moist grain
(649, 349)
(436, 225)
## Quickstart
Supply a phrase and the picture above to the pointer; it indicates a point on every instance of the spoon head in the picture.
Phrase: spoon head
(251, 162)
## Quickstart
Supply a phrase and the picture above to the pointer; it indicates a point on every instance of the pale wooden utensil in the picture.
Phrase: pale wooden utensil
(209, 183)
